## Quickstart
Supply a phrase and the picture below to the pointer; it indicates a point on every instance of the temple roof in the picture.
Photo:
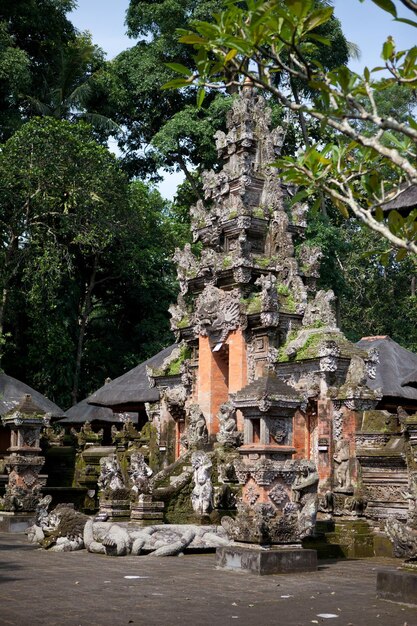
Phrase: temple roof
(406, 199)
(270, 387)
(84, 412)
(396, 372)
(13, 393)
(133, 386)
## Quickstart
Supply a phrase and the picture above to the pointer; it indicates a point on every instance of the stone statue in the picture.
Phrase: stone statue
(321, 310)
(404, 535)
(305, 496)
(110, 478)
(341, 458)
(202, 494)
(139, 474)
(197, 429)
(166, 540)
(228, 433)
(187, 266)
(59, 531)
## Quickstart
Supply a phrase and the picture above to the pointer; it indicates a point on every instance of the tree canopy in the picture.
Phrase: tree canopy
(370, 159)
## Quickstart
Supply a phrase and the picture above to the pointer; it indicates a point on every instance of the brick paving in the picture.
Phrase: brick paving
(82, 589)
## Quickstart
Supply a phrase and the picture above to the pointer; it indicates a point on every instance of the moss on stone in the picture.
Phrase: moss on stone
(252, 304)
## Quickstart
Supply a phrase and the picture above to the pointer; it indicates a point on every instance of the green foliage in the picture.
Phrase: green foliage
(371, 156)
(33, 34)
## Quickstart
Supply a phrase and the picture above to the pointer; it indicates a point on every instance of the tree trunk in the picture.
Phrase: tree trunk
(85, 312)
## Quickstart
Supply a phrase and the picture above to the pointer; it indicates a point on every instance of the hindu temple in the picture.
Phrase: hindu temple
(262, 416)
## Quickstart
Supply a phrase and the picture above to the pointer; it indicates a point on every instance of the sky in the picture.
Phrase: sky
(363, 24)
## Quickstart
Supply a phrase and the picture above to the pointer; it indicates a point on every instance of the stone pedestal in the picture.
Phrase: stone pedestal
(114, 510)
(145, 512)
(11, 522)
(397, 586)
(264, 561)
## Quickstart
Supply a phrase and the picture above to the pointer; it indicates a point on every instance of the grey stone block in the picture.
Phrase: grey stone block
(261, 561)
(397, 586)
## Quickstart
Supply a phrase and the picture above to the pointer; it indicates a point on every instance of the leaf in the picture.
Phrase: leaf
(386, 5)
(404, 20)
(387, 49)
(176, 83)
(230, 55)
(201, 94)
(192, 39)
(401, 254)
(317, 18)
(178, 67)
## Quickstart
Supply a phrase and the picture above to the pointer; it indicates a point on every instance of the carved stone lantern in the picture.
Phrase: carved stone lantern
(24, 463)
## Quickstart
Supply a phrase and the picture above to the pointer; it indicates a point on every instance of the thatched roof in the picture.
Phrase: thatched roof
(396, 372)
(13, 393)
(406, 199)
(132, 387)
(84, 412)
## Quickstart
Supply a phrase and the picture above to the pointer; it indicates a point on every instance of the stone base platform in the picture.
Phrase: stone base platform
(146, 512)
(264, 561)
(397, 586)
(16, 522)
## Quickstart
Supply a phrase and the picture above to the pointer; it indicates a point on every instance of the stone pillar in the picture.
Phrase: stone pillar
(213, 382)
(23, 491)
(238, 367)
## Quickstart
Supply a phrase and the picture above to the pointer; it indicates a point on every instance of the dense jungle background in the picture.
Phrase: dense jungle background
(86, 275)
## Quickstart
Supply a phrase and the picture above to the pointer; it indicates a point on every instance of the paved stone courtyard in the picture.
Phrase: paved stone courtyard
(82, 589)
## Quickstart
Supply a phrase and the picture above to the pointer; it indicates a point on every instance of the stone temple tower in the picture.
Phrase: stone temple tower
(253, 331)
(244, 292)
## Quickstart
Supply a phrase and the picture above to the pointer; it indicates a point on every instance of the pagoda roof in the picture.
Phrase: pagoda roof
(396, 372)
(13, 394)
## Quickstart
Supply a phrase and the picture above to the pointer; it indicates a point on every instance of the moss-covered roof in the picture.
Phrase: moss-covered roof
(270, 387)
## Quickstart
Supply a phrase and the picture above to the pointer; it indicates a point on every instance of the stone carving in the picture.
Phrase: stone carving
(371, 363)
(337, 422)
(155, 540)
(187, 266)
(278, 495)
(309, 258)
(111, 478)
(179, 314)
(175, 397)
(278, 429)
(320, 310)
(228, 434)
(217, 312)
(305, 496)
(196, 433)
(404, 539)
(328, 352)
(54, 436)
(341, 459)
(126, 436)
(269, 299)
(279, 242)
(139, 474)
(86, 436)
(59, 531)
(202, 494)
